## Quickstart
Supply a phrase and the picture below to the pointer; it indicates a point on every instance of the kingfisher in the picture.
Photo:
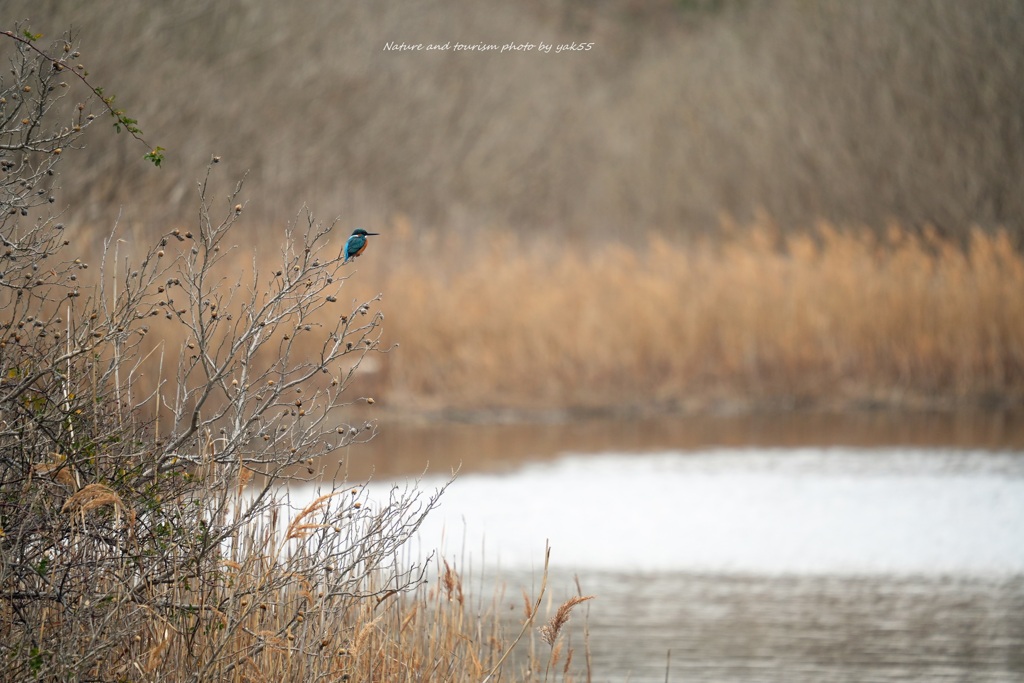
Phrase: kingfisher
(356, 243)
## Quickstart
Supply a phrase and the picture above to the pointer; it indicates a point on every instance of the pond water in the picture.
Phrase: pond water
(734, 557)
(764, 511)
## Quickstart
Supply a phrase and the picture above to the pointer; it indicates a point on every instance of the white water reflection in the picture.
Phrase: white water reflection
(805, 511)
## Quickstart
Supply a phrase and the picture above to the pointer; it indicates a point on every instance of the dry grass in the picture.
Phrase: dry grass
(831, 318)
(276, 605)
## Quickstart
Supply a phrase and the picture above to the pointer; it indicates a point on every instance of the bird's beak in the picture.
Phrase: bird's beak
(373, 233)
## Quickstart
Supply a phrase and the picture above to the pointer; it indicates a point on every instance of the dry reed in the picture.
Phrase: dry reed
(551, 630)
(759, 319)
(831, 318)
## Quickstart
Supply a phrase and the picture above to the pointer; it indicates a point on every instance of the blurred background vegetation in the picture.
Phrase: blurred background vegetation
(678, 167)
(685, 110)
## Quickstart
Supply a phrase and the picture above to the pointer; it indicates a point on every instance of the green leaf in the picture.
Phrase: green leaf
(156, 156)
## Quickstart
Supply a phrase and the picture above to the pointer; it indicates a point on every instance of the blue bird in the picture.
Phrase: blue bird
(356, 243)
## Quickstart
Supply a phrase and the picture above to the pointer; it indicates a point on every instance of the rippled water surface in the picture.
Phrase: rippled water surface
(739, 562)
(703, 627)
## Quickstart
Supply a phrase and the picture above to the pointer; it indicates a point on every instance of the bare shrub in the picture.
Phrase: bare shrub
(145, 529)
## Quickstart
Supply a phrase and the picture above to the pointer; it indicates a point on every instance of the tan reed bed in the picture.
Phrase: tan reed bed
(833, 318)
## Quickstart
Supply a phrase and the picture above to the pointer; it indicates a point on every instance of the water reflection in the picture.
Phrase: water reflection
(794, 565)
(894, 554)
(403, 447)
(774, 511)
(801, 629)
